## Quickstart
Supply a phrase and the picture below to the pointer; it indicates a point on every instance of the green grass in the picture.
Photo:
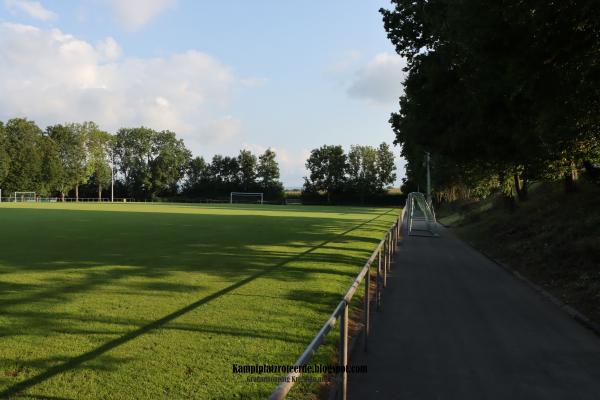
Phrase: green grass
(158, 301)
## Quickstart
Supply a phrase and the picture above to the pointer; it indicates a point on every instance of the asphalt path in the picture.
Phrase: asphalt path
(455, 325)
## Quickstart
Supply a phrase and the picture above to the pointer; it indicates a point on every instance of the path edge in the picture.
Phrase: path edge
(569, 310)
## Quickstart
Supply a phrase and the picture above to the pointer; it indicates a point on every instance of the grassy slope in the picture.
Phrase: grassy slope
(158, 301)
(553, 239)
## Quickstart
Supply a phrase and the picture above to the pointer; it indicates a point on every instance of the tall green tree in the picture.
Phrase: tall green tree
(133, 153)
(70, 142)
(168, 163)
(362, 170)
(385, 166)
(247, 173)
(268, 174)
(497, 89)
(4, 155)
(24, 146)
(99, 148)
(52, 169)
(197, 176)
(327, 168)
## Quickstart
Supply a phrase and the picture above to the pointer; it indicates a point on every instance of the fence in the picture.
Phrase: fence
(12, 199)
(383, 253)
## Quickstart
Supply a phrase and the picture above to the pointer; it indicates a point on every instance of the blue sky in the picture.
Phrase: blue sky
(224, 75)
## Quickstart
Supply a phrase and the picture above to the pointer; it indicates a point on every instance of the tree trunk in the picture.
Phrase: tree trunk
(77, 192)
(570, 179)
(99, 192)
(520, 186)
(62, 196)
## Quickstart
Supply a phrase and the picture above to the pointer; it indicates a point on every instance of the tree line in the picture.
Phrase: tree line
(66, 159)
(361, 175)
(79, 160)
(501, 93)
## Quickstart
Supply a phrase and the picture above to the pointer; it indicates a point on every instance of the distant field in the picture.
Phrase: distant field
(158, 301)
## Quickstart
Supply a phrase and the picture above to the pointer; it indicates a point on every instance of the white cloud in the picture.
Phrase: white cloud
(109, 49)
(133, 14)
(380, 81)
(254, 82)
(32, 8)
(53, 77)
(344, 62)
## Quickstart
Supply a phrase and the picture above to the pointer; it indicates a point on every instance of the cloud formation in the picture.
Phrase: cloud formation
(380, 81)
(133, 14)
(33, 9)
(52, 77)
(344, 62)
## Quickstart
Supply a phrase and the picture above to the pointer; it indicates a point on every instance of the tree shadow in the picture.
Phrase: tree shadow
(112, 262)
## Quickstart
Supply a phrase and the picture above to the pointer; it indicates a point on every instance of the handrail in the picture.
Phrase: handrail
(383, 252)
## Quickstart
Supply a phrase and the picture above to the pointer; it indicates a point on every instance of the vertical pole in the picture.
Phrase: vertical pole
(112, 176)
(391, 252)
(366, 313)
(344, 352)
(385, 262)
(378, 283)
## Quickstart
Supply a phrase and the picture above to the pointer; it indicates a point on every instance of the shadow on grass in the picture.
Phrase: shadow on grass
(199, 248)
(92, 354)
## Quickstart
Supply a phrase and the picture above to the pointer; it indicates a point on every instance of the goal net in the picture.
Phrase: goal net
(421, 217)
(246, 197)
(24, 196)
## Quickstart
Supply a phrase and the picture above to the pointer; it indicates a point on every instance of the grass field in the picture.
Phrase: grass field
(158, 301)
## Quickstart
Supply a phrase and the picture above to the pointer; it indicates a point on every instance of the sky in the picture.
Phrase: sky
(224, 75)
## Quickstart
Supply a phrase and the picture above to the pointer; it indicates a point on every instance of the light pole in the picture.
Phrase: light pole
(112, 176)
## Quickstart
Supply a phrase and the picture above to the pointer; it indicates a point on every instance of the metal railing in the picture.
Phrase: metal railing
(39, 199)
(383, 254)
(426, 214)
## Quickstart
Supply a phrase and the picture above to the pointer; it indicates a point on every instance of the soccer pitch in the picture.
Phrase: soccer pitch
(119, 301)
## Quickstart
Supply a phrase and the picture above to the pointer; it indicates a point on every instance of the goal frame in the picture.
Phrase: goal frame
(418, 200)
(246, 194)
(29, 198)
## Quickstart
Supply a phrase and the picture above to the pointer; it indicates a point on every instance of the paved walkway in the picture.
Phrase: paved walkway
(454, 325)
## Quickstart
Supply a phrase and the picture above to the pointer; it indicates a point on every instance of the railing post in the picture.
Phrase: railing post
(391, 251)
(378, 283)
(385, 262)
(366, 313)
(387, 254)
(344, 353)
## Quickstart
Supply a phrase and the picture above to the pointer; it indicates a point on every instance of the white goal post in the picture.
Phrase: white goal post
(421, 217)
(247, 196)
(25, 196)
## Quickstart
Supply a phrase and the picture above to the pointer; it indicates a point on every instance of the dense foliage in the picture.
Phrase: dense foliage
(499, 92)
(67, 159)
(362, 174)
